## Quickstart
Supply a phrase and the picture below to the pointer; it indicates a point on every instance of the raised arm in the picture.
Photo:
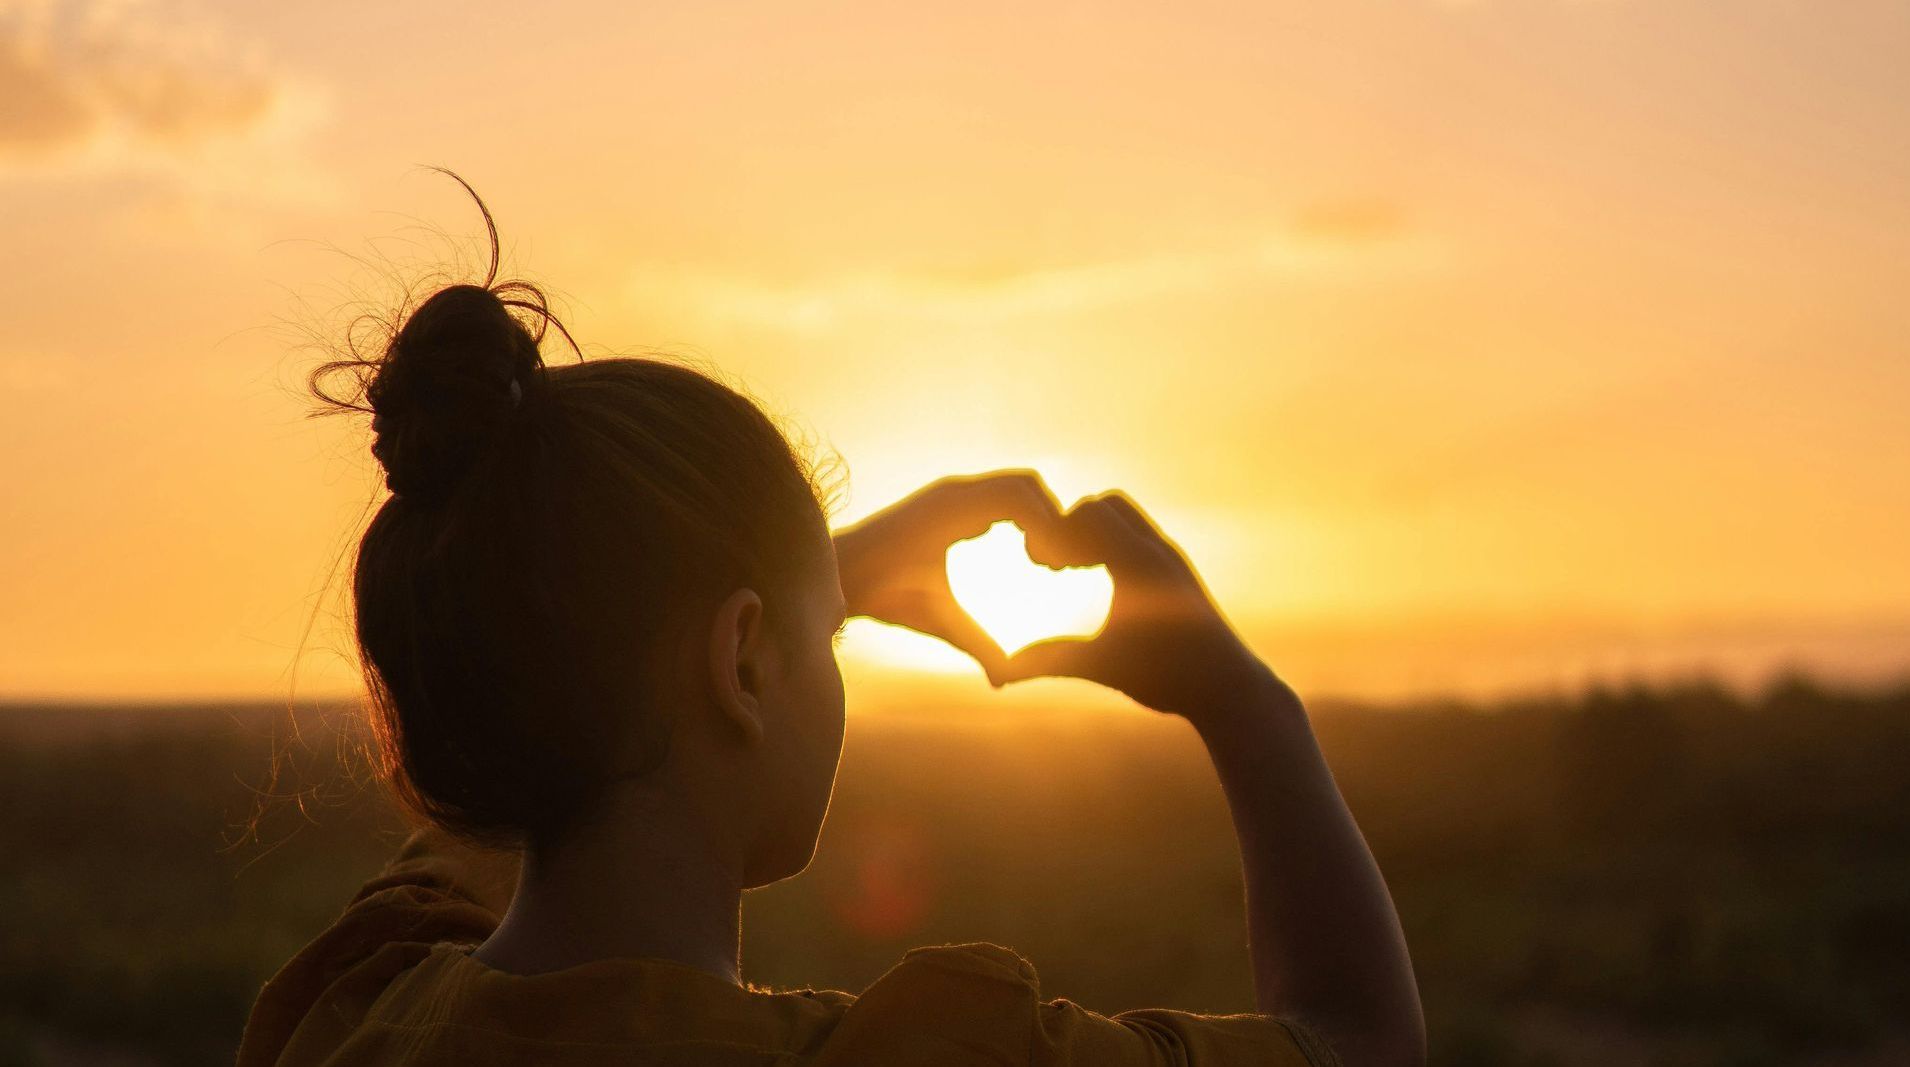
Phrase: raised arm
(1326, 943)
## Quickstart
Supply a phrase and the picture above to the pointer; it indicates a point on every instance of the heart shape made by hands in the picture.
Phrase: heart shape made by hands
(1017, 600)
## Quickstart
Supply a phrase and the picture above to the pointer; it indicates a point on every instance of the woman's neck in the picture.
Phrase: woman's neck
(644, 879)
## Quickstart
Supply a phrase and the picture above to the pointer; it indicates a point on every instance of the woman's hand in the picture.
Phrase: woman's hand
(1165, 643)
(894, 564)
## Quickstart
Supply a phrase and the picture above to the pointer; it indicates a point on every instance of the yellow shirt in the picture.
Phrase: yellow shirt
(392, 981)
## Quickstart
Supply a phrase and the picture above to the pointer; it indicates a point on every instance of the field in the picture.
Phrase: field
(1655, 876)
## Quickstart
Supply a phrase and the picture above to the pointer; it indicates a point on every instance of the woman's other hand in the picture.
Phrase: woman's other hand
(894, 564)
(1165, 642)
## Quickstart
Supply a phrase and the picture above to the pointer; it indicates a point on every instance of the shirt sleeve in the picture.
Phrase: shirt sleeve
(1069, 1034)
(442, 863)
(436, 888)
(982, 1003)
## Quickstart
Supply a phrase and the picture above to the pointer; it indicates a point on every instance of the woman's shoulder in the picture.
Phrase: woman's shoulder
(958, 981)
(435, 890)
(982, 1002)
(394, 972)
(982, 959)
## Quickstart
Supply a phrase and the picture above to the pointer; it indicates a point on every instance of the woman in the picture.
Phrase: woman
(596, 617)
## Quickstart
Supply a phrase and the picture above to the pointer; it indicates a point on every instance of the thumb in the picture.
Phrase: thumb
(1063, 657)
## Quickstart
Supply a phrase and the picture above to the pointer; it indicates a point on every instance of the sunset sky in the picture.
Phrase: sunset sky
(1464, 346)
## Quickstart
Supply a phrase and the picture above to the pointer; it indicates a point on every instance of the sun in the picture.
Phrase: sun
(1020, 602)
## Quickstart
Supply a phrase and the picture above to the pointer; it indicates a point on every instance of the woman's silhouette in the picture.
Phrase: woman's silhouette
(596, 616)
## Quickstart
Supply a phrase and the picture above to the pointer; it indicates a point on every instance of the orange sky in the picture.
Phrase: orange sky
(1464, 345)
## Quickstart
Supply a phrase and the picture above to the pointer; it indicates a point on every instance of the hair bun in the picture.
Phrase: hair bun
(457, 370)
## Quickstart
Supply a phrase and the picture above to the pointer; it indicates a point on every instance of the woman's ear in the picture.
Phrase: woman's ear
(737, 645)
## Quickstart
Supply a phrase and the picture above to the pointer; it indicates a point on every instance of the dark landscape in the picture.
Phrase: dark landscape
(1676, 875)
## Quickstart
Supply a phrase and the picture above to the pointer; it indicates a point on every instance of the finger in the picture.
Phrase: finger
(1124, 506)
(1141, 523)
(1092, 532)
(977, 502)
(1063, 657)
(959, 629)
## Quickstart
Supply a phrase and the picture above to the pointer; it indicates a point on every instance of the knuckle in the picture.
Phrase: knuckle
(1120, 499)
(982, 484)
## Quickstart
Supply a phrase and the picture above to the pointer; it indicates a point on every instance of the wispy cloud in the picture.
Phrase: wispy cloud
(1351, 220)
(1350, 240)
(97, 84)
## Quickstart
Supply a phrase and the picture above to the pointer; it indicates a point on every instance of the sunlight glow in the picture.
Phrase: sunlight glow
(1020, 602)
(1427, 412)
(879, 644)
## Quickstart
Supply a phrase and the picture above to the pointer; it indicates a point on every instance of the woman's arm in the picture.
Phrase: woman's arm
(1326, 943)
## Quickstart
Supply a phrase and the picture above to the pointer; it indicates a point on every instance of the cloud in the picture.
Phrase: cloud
(1340, 245)
(1350, 221)
(112, 81)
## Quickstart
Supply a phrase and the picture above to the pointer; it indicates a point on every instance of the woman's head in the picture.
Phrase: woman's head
(578, 565)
